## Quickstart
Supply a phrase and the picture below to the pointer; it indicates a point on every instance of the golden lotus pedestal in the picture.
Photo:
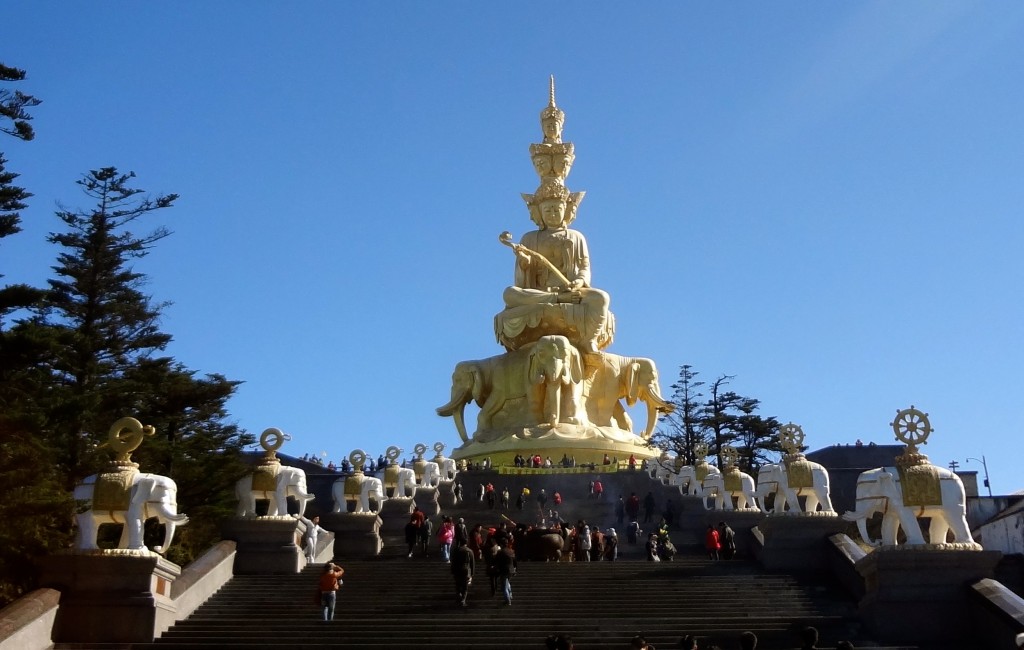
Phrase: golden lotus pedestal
(111, 597)
(586, 444)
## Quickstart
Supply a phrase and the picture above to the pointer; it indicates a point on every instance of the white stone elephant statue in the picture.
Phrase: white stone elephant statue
(556, 372)
(632, 378)
(370, 487)
(287, 482)
(141, 497)
(406, 485)
(449, 468)
(789, 482)
(431, 476)
(690, 478)
(724, 486)
(941, 498)
(662, 469)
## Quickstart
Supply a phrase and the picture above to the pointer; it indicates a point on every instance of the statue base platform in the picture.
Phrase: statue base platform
(266, 545)
(357, 535)
(395, 515)
(427, 500)
(920, 594)
(111, 597)
(446, 494)
(797, 542)
(587, 443)
(694, 523)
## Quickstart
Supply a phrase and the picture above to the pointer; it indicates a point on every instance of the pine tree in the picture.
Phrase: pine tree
(35, 510)
(105, 323)
(14, 120)
(107, 364)
(757, 436)
(719, 416)
(13, 105)
(685, 427)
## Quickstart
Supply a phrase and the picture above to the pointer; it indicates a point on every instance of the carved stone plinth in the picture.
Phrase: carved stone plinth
(797, 542)
(427, 500)
(266, 544)
(357, 535)
(395, 515)
(111, 598)
(446, 494)
(691, 524)
(920, 595)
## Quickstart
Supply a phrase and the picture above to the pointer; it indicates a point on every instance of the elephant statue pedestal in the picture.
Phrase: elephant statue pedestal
(427, 500)
(920, 596)
(743, 522)
(111, 597)
(395, 515)
(446, 494)
(266, 545)
(357, 534)
(797, 542)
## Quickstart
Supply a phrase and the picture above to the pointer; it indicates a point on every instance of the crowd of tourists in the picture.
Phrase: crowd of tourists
(496, 548)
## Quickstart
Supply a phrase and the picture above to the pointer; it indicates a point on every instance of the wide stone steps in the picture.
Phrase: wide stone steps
(403, 603)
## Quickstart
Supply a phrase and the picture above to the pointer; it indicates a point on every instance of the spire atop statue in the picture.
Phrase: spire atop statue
(552, 118)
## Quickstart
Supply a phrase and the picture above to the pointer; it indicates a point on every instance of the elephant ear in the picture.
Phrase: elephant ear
(143, 490)
(632, 380)
(574, 369)
(536, 369)
(478, 385)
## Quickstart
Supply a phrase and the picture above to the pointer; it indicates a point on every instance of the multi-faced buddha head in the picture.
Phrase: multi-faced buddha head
(553, 206)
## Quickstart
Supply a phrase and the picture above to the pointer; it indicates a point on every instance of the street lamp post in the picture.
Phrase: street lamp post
(985, 466)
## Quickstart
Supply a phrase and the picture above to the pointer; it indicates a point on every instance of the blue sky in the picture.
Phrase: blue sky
(822, 199)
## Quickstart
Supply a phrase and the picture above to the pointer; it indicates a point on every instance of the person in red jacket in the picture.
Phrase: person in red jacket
(712, 543)
(330, 580)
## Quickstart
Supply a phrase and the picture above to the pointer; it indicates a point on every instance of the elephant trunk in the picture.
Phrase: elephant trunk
(861, 516)
(303, 498)
(704, 492)
(456, 408)
(761, 494)
(652, 418)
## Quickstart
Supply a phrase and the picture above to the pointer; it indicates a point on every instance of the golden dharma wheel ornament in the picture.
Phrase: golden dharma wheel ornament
(125, 437)
(911, 427)
(271, 440)
(730, 456)
(439, 448)
(419, 450)
(700, 452)
(791, 436)
(392, 454)
(358, 459)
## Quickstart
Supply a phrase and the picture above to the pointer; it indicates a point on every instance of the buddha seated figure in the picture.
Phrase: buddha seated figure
(552, 292)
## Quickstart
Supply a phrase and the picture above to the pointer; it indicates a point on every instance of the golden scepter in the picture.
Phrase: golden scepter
(506, 238)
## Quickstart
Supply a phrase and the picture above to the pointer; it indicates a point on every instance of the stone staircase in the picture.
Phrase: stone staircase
(410, 603)
(395, 602)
